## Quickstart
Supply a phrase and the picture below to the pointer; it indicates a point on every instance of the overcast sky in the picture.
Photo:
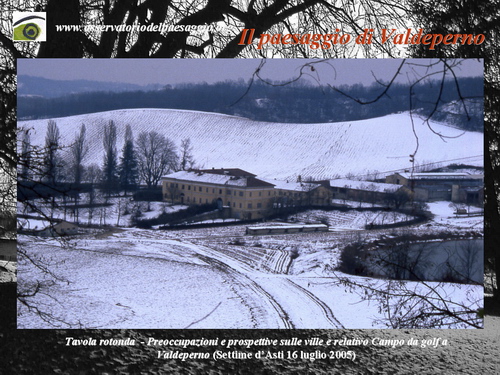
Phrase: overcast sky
(174, 71)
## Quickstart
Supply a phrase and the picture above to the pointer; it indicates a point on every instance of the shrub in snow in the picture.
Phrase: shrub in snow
(351, 259)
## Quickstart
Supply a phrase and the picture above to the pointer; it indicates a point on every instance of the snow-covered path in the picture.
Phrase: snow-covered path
(296, 306)
(140, 279)
(275, 300)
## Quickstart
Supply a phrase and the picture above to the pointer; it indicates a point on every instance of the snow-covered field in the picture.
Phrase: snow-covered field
(118, 213)
(209, 278)
(283, 151)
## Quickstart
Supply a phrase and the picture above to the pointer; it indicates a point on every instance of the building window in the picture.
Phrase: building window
(241, 193)
(182, 187)
(220, 191)
(250, 194)
(228, 192)
(240, 205)
(249, 206)
(259, 205)
(189, 187)
(260, 194)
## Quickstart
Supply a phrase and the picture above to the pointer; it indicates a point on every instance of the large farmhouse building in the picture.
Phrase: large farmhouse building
(241, 192)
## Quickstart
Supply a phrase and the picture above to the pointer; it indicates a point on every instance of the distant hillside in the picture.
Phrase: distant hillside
(280, 150)
(295, 103)
(48, 88)
(455, 113)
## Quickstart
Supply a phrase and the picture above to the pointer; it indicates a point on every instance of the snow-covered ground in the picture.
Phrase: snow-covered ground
(445, 217)
(352, 219)
(118, 213)
(283, 151)
(210, 278)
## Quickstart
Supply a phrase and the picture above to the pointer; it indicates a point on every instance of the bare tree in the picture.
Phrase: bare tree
(25, 156)
(186, 158)
(404, 304)
(156, 156)
(397, 199)
(404, 260)
(110, 166)
(173, 193)
(93, 175)
(52, 161)
(465, 262)
(79, 150)
(308, 187)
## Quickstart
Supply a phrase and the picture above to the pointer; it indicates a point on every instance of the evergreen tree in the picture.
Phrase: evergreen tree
(128, 171)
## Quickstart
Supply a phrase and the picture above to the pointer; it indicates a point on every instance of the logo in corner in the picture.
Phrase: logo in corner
(28, 26)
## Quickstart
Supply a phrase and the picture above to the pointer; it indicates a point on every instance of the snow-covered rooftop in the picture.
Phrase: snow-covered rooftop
(440, 175)
(292, 185)
(217, 179)
(364, 185)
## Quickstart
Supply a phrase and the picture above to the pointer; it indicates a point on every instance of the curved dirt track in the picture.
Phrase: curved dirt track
(295, 306)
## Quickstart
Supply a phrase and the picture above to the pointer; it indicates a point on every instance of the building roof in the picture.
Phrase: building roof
(440, 176)
(364, 185)
(236, 172)
(293, 186)
(293, 226)
(228, 179)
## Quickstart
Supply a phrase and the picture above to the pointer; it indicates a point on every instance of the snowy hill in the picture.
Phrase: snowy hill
(279, 150)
